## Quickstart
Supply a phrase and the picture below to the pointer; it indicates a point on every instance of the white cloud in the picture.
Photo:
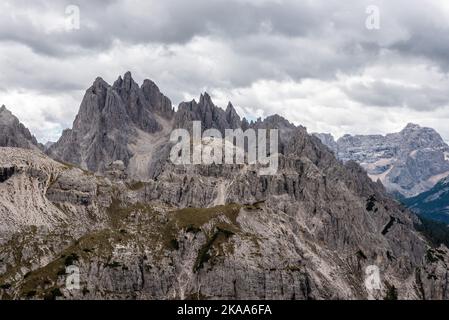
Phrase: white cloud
(313, 62)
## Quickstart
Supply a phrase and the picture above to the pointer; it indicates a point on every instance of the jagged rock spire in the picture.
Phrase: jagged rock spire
(110, 121)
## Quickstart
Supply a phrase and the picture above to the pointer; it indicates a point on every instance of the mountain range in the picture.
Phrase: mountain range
(412, 164)
(107, 200)
(407, 163)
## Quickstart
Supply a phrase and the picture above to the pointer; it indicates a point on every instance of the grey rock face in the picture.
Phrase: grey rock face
(48, 144)
(232, 117)
(328, 140)
(210, 115)
(15, 134)
(307, 232)
(131, 124)
(158, 102)
(409, 162)
(110, 121)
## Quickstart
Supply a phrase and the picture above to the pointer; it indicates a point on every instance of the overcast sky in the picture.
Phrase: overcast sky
(313, 62)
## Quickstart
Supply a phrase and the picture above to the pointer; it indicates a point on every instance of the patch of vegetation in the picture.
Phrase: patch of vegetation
(192, 229)
(371, 203)
(159, 231)
(113, 264)
(174, 244)
(434, 255)
(429, 206)
(361, 255)
(392, 292)
(196, 296)
(293, 268)
(389, 225)
(70, 259)
(38, 280)
(215, 241)
(136, 185)
(389, 256)
(5, 286)
(118, 212)
(41, 280)
(197, 217)
(256, 206)
(69, 166)
(419, 285)
(53, 294)
(431, 277)
(436, 233)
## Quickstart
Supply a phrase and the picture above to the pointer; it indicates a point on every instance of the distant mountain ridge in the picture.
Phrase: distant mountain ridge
(434, 203)
(407, 163)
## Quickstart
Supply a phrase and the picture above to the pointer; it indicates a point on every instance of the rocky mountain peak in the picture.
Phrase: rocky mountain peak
(412, 126)
(208, 113)
(126, 87)
(14, 134)
(159, 102)
(5, 114)
(279, 122)
(110, 120)
(232, 117)
(407, 162)
(415, 137)
(328, 140)
(205, 99)
(98, 85)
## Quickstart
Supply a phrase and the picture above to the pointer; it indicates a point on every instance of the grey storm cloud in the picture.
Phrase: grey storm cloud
(383, 94)
(226, 46)
(297, 39)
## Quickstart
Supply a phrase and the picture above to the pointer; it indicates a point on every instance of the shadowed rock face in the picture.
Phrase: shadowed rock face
(407, 163)
(6, 173)
(210, 115)
(15, 134)
(109, 121)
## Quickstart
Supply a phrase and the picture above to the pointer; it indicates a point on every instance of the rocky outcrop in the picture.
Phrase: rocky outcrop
(31, 183)
(14, 134)
(328, 140)
(210, 115)
(119, 122)
(407, 163)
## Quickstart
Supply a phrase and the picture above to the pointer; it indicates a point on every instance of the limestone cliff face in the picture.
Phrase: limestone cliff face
(15, 134)
(208, 113)
(111, 123)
